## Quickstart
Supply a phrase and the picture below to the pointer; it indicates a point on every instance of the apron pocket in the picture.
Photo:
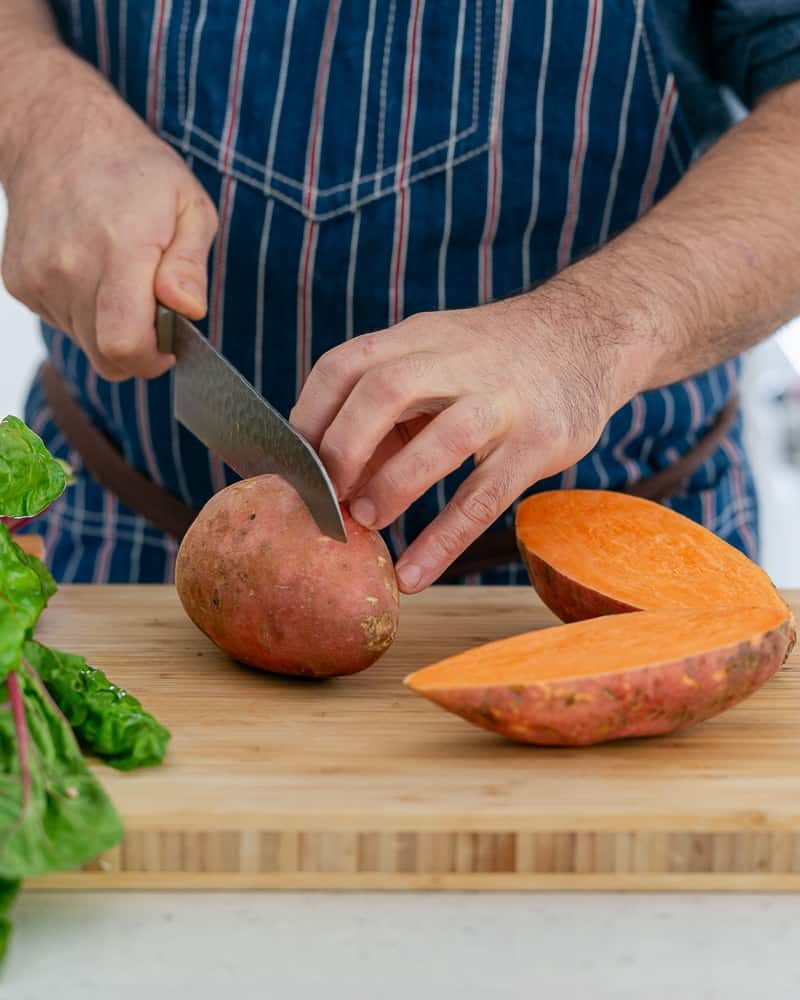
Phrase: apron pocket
(326, 106)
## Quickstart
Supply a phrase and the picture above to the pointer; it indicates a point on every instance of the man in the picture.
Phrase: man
(438, 173)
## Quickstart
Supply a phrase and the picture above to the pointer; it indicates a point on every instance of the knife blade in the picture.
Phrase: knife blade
(220, 407)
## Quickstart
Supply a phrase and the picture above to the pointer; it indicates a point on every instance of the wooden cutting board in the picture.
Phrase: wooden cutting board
(357, 783)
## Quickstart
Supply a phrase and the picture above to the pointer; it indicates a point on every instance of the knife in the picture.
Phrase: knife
(222, 409)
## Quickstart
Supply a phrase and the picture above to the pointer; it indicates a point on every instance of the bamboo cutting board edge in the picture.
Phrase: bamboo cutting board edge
(737, 882)
(430, 822)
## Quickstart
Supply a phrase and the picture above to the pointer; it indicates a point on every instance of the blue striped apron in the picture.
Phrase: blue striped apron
(371, 160)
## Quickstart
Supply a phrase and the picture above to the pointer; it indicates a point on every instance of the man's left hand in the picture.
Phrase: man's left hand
(524, 386)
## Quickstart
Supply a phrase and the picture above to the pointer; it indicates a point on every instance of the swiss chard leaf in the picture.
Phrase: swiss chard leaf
(54, 815)
(8, 892)
(25, 588)
(108, 721)
(47, 583)
(30, 478)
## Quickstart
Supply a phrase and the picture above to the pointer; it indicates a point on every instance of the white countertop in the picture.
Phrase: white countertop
(380, 946)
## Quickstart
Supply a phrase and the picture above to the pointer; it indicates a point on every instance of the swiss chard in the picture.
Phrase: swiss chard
(109, 722)
(8, 891)
(25, 588)
(54, 813)
(30, 478)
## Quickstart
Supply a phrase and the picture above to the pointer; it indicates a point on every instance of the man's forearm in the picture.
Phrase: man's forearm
(31, 54)
(714, 267)
(25, 20)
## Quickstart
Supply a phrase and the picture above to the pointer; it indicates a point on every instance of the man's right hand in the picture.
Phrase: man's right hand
(104, 220)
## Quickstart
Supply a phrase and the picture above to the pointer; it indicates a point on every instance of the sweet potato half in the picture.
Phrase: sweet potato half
(670, 625)
(591, 552)
(257, 576)
(639, 674)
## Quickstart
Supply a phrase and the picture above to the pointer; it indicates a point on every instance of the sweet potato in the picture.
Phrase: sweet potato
(32, 544)
(638, 674)
(670, 626)
(257, 576)
(590, 552)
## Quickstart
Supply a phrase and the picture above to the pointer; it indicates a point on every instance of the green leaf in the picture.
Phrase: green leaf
(25, 588)
(8, 892)
(5, 935)
(30, 478)
(54, 814)
(47, 584)
(108, 721)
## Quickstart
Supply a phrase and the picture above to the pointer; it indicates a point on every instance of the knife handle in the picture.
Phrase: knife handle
(165, 330)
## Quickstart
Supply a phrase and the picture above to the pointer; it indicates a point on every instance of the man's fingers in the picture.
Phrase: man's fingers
(80, 325)
(125, 312)
(460, 431)
(336, 373)
(478, 502)
(395, 441)
(181, 277)
(134, 282)
(383, 397)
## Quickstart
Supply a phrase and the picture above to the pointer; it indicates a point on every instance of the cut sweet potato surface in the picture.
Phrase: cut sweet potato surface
(32, 544)
(599, 646)
(591, 552)
(645, 673)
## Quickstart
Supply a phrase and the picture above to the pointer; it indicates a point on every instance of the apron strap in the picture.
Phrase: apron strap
(172, 516)
(105, 464)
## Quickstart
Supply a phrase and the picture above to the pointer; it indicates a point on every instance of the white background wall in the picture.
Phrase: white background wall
(21, 342)
(767, 370)
(772, 431)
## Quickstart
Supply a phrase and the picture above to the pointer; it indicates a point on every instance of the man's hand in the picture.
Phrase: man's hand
(104, 219)
(526, 385)
(521, 386)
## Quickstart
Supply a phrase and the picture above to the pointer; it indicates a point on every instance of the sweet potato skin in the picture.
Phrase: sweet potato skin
(257, 576)
(566, 598)
(649, 701)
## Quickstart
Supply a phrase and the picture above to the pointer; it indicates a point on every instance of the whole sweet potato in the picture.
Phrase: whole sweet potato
(257, 576)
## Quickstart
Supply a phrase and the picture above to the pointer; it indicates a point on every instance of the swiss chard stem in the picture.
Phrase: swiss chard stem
(15, 700)
(15, 523)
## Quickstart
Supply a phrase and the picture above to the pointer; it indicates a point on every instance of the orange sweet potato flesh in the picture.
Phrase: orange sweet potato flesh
(670, 625)
(32, 544)
(590, 552)
(257, 576)
(639, 674)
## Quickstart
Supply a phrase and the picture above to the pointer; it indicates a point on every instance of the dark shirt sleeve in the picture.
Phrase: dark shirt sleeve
(755, 45)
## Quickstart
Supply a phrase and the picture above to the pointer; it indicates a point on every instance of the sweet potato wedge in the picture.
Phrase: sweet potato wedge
(32, 544)
(670, 625)
(590, 552)
(639, 674)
